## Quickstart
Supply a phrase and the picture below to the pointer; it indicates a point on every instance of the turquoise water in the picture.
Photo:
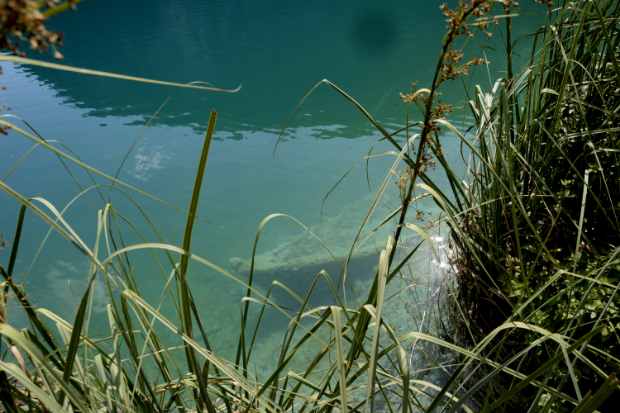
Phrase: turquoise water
(277, 51)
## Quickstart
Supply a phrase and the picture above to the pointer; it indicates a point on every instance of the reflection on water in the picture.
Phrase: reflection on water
(65, 277)
(228, 43)
(148, 158)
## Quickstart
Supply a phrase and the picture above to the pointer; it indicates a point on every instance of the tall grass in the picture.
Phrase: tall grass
(536, 217)
(497, 335)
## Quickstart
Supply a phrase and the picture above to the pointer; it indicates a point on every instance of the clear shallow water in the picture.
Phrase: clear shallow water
(371, 52)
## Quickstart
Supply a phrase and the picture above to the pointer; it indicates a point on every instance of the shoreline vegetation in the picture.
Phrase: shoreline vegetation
(520, 314)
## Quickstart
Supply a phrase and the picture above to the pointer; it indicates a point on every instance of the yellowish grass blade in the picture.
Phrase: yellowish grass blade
(56, 66)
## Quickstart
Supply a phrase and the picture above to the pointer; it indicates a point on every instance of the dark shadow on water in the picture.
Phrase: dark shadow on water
(373, 31)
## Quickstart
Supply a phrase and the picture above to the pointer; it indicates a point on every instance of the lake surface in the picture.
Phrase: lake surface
(277, 51)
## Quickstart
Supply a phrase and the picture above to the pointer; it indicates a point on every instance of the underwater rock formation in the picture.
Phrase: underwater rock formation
(278, 261)
(297, 262)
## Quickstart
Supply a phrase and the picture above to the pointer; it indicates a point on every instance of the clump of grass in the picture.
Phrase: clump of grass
(536, 218)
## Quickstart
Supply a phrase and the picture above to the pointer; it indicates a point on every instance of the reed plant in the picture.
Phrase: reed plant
(470, 357)
(536, 216)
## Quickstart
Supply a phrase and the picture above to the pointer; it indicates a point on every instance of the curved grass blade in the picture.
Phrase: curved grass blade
(106, 74)
(543, 369)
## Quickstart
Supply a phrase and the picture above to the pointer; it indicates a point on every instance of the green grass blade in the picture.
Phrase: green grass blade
(341, 359)
(106, 74)
(542, 369)
(6, 397)
(74, 344)
(16, 239)
(382, 273)
(47, 400)
(187, 241)
(60, 8)
(42, 364)
(404, 371)
(590, 404)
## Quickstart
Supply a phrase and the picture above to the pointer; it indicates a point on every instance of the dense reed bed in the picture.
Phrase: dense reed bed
(526, 314)
(536, 217)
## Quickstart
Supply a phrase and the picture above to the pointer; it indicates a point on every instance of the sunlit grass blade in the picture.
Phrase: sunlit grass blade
(106, 74)
(341, 358)
(382, 273)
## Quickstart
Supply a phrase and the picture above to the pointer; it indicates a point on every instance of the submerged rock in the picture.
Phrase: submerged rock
(298, 272)
(297, 262)
(280, 260)
(240, 265)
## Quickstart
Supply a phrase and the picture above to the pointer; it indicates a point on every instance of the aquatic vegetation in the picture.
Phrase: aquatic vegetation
(477, 332)
(536, 216)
